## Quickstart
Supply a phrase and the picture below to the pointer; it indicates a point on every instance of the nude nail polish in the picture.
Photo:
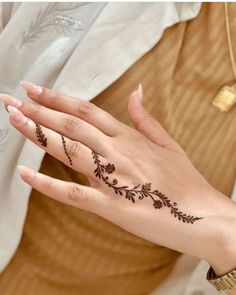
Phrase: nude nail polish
(26, 172)
(140, 91)
(9, 100)
(16, 115)
(31, 88)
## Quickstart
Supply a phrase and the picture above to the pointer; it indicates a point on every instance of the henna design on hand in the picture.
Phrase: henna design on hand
(41, 137)
(65, 150)
(140, 191)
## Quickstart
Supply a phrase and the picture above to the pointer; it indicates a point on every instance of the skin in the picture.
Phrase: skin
(144, 154)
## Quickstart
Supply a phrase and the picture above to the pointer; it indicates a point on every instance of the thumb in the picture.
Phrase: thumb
(147, 124)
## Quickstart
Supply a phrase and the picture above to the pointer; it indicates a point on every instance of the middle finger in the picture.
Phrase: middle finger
(68, 125)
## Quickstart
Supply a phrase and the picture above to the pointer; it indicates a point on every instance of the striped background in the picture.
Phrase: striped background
(68, 251)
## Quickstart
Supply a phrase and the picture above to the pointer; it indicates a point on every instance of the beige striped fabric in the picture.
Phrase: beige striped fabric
(66, 251)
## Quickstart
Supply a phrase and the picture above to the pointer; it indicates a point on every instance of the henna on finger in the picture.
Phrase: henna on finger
(40, 135)
(43, 140)
(139, 191)
(65, 150)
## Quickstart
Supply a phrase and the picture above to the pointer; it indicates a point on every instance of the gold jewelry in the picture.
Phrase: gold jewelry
(225, 282)
(226, 98)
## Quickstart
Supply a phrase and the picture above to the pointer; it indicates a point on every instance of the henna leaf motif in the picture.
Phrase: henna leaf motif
(146, 187)
(97, 173)
(130, 196)
(41, 137)
(140, 191)
(135, 187)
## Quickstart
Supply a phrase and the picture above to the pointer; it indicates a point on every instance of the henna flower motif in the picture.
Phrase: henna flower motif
(109, 168)
(157, 204)
(139, 191)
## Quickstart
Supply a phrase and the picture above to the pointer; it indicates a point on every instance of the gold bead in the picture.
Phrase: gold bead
(226, 98)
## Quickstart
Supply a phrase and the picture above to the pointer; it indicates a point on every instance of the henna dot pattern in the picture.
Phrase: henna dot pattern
(40, 136)
(139, 191)
(65, 149)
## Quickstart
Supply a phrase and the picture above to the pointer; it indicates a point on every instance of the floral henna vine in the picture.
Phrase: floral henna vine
(139, 191)
(65, 150)
(41, 137)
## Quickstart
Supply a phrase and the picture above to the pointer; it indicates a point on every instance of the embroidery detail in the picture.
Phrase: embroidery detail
(65, 150)
(41, 137)
(139, 191)
(68, 21)
(50, 17)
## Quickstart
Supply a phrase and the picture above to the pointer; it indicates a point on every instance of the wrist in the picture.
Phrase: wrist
(222, 243)
(214, 239)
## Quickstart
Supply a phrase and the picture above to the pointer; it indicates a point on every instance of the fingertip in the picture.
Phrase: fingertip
(137, 95)
(16, 116)
(10, 100)
(11, 109)
(31, 88)
(26, 173)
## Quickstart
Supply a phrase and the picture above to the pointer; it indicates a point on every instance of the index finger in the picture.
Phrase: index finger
(83, 109)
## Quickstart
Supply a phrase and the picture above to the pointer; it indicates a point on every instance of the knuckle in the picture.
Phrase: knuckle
(71, 123)
(151, 120)
(85, 107)
(35, 109)
(139, 123)
(73, 148)
(51, 93)
(137, 120)
(127, 154)
(146, 120)
(75, 193)
(48, 183)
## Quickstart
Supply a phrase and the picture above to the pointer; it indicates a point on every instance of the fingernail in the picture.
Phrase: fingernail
(26, 172)
(16, 115)
(140, 91)
(9, 100)
(32, 88)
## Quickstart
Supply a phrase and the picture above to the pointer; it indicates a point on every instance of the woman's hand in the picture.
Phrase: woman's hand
(141, 179)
